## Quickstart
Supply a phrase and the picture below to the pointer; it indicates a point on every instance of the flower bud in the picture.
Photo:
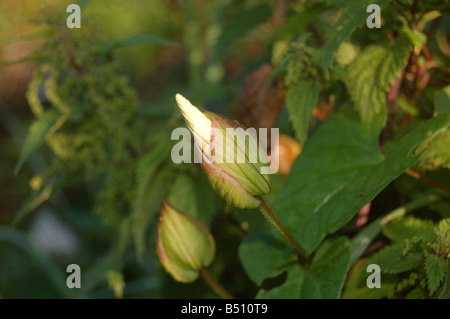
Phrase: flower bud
(231, 156)
(184, 244)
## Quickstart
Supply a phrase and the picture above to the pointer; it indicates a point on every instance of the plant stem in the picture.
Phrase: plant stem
(214, 284)
(270, 215)
(425, 179)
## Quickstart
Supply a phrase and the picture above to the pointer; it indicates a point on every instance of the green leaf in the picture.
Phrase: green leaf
(356, 285)
(437, 153)
(193, 197)
(445, 293)
(262, 258)
(41, 128)
(435, 268)
(392, 261)
(353, 17)
(32, 202)
(339, 171)
(152, 184)
(371, 74)
(106, 47)
(290, 289)
(442, 101)
(407, 227)
(363, 239)
(301, 99)
(239, 23)
(323, 280)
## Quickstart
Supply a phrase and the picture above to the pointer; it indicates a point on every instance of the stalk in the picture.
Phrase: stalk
(270, 215)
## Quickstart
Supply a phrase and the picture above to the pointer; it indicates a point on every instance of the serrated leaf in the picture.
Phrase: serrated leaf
(371, 74)
(392, 261)
(41, 128)
(353, 17)
(403, 228)
(435, 268)
(262, 258)
(106, 47)
(340, 170)
(301, 99)
(323, 280)
(445, 293)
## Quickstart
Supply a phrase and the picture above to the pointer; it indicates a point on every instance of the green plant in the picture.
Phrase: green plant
(370, 108)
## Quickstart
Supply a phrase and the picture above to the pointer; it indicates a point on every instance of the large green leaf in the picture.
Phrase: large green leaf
(39, 130)
(340, 170)
(323, 280)
(262, 258)
(301, 99)
(354, 16)
(371, 74)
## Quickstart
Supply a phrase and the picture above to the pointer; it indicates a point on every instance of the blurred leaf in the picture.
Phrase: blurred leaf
(416, 37)
(32, 202)
(239, 23)
(152, 185)
(262, 258)
(435, 268)
(339, 171)
(354, 16)
(56, 276)
(301, 99)
(392, 261)
(407, 227)
(35, 35)
(41, 128)
(442, 101)
(356, 285)
(445, 293)
(193, 197)
(371, 74)
(437, 148)
(324, 279)
(106, 47)
(363, 239)
(116, 283)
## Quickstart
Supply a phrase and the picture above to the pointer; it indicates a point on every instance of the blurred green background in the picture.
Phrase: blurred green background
(76, 200)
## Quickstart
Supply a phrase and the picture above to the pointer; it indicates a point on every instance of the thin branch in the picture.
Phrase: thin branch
(425, 179)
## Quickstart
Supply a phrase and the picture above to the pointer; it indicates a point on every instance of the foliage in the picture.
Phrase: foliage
(369, 108)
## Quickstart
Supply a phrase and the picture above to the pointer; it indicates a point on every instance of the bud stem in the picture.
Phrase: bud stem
(270, 215)
(214, 284)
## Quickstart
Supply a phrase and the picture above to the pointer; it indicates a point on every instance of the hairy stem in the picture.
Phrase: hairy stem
(270, 215)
